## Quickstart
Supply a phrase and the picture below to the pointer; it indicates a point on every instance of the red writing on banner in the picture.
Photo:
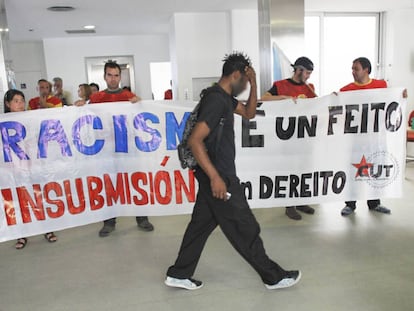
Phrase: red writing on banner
(55, 199)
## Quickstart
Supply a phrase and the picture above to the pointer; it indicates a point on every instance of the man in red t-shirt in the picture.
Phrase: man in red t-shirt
(361, 69)
(295, 87)
(45, 98)
(113, 93)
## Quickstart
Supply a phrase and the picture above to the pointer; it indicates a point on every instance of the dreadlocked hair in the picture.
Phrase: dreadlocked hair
(235, 61)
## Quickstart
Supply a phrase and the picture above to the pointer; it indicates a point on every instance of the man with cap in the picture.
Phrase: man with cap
(295, 87)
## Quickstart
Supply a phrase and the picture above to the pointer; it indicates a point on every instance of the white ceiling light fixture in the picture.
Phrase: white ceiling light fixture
(89, 27)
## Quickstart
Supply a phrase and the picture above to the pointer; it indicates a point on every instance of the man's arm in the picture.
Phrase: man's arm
(248, 111)
(267, 97)
(196, 143)
(134, 99)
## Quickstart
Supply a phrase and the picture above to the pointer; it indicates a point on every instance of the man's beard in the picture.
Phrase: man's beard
(237, 88)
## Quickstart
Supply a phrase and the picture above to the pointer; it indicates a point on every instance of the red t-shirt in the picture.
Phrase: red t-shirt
(372, 84)
(106, 96)
(288, 87)
(168, 94)
(51, 102)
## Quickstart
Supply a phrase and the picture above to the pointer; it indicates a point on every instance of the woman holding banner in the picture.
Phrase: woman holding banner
(14, 101)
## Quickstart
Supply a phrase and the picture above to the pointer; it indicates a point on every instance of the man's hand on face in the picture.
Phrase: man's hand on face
(251, 74)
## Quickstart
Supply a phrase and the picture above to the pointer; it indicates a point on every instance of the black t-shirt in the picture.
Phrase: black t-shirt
(215, 105)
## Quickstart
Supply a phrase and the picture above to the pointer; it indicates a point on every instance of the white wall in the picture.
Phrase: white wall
(399, 51)
(201, 41)
(28, 62)
(66, 57)
(245, 38)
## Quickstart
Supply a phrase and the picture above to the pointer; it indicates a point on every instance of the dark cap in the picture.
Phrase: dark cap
(303, 63)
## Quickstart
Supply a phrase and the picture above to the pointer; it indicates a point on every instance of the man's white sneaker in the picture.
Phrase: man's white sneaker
(291, 279)
(189, 284)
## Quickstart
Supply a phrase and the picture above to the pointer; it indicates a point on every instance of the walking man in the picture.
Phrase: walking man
(220, 199)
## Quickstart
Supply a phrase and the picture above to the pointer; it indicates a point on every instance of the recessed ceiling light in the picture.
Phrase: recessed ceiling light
(60, 8)
(89, 27)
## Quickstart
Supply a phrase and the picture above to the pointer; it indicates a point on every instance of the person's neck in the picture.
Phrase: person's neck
(296, 80)
(225, 85)
(364, 80)
(113, 90)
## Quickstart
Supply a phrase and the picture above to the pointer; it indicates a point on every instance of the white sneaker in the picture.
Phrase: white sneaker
(291, 279)
(189, 284)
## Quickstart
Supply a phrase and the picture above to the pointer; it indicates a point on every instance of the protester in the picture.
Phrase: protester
(168, 94)
(60, 93)
(94, 87)
(45, 98)
(14, 101)
(84, 92)
(361, 69)
(295, 87)
(113, 93)
(220, 199)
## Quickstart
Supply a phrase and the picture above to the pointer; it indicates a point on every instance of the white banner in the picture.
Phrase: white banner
(67, 167)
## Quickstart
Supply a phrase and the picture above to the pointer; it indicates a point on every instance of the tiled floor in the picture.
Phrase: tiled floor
(364, 262)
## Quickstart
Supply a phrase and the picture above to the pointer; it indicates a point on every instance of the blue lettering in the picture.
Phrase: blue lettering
(10, 141)
(121, 133)
(140, 123)
(52, 130)
(173, 129)
(77, 141)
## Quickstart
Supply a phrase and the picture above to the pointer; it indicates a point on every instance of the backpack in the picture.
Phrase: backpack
(185, 154)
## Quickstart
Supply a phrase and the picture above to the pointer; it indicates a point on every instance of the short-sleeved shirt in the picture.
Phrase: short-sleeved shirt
(372, 84)
(215, 105)
(289, 87)
(51, 102)
(107, 96)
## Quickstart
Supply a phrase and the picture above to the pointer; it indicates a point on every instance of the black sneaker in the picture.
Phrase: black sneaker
(381, 209)
(292, 213)
(106, 230)
(144, 224)
(289, 280)
(306, 209)
(347, 210)
(189, 284)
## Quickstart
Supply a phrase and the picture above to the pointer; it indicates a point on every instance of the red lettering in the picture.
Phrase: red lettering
(127, 188)
(151, 184)
(57, 189)
(96, 201)
(135, 180)
(79, 194)
(26, 201)
(163, 177)
(181, 186)
(8, 206)
(114, 194)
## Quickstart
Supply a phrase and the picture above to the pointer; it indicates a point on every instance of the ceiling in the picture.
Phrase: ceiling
(30, 19)
(119, 17)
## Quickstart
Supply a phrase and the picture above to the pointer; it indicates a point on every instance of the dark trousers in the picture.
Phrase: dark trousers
(238, 224)
(371, 203)
(112, 221)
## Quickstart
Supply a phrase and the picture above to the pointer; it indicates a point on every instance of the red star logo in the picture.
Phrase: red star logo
(362, 167)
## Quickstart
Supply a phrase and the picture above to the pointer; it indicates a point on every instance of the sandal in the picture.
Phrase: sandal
(50, 237)
(21, 243)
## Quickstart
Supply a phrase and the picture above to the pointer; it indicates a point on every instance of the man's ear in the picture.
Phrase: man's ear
(236, 75)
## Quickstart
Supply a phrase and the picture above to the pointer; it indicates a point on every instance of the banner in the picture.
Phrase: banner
(62, 168)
